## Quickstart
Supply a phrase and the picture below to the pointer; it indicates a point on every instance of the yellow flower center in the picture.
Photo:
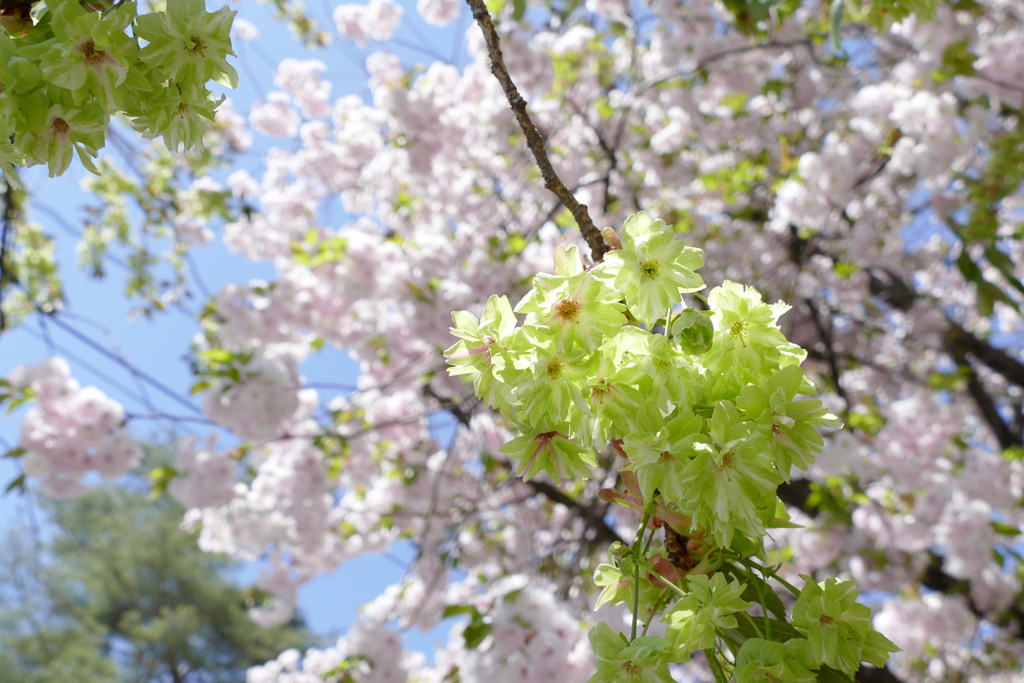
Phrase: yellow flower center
(91, 54)
(567, 310)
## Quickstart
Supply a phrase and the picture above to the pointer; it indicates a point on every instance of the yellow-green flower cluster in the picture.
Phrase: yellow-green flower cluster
(705, 406)
(64, 73)
(703, 403)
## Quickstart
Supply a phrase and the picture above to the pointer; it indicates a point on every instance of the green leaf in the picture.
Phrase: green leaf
(15, 452)
(827, 674)
(162, 472)
(476, 632)
(27, 396)
(870, 422)
(217, 355)
(341, 673)
(988, 293)
(518, 9)
(948, 380)
(957, 60)
(777, 523)
(18, 484)
(748, 628)
(494, 7)
(1007, 529)
(455, 610)
(835, 22)
(845, 270)
(766, 597)
(1013, 453)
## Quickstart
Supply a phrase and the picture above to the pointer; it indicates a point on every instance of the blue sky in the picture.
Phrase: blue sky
(96, 327)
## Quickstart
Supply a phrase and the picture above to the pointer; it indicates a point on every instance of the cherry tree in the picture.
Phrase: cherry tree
(844, 179)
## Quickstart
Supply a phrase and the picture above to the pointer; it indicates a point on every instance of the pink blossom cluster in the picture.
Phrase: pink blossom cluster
(206, 477)
(368, 652)
(362, 24)
(71, 431)
(531, 637)
(287, 506)
(259, 406)
(941, 632)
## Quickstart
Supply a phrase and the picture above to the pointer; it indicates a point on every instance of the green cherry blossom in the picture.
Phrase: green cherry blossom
(787, 425)
(693, 329)
(617, 584)
(729, 482)
(65, 72)
(748, 343)
(877, 649)
(177, 113)
(708, 416)
(836, 625)
(91, 52)
(550, 380)
(611, 394)
(645, 660)
(666, 375)
(552, 452)
(652, 269)
(657, 456)
(760, 661)
(709, 606)
(189, 43)
(17, 73)
(573, 304)
(63, 132)
(482, 341)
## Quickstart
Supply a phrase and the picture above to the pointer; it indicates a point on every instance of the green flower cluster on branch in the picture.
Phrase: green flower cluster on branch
(705, 408)
(67, 66)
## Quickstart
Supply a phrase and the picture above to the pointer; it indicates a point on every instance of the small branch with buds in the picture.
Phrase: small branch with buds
(534, 140)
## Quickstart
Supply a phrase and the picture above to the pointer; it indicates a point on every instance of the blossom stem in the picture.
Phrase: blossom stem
(716, 666)
(771, 574)
(637, 552)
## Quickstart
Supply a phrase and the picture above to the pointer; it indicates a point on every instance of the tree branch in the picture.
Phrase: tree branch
(534, 140)
(995, 358)
(986, 406)
(830, 353)
(591, 516)
(959, 343)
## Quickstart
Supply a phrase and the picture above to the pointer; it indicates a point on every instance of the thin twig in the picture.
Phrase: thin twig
(711, 59)
(592, 517)
(149, 379)
(534, 140)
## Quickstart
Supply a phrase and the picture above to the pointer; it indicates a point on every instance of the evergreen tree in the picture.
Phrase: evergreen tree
(121, 593)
